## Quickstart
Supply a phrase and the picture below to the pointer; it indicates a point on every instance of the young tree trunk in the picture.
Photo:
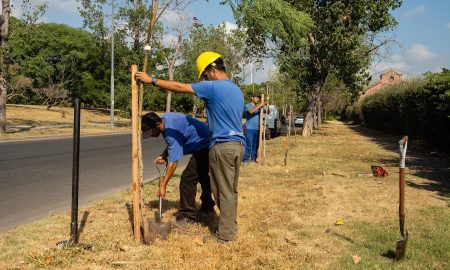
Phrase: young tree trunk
(136, 30)
(169, 94)
(4, 25)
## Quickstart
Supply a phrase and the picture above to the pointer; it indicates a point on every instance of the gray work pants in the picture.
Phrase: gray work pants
(224, 163)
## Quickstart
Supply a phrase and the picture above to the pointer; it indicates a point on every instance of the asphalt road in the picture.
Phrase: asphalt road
(36, 175)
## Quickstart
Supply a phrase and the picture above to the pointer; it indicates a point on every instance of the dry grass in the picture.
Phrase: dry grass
(34, 121)
(286, 217)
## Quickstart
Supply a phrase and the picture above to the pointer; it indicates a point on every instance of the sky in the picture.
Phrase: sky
(422, 34)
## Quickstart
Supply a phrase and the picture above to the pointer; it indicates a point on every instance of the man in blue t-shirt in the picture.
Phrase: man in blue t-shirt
(224, 107)
(184, 135)
(252, 112)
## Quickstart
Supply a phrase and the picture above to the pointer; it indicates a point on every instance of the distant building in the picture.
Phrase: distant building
(387, 77)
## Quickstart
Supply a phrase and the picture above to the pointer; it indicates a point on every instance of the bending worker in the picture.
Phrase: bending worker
(184, 135)
(252, 112)
(224, 107)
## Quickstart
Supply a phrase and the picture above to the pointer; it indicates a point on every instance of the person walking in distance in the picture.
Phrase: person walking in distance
(224, 106)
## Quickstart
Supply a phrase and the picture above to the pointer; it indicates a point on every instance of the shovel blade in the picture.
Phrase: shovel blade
(155, 230)
(400, 249)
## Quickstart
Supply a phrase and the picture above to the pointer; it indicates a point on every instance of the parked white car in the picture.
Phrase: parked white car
(273, 120)
(298, 120)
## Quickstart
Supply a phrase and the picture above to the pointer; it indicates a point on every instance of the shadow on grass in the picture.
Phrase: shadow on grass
(435, 169)
(129, 207)
(152, 207)
(166, 204)
(341, 236)
(390, 254)
(83, 222)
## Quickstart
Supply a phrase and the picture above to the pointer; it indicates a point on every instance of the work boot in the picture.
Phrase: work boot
(214, 239)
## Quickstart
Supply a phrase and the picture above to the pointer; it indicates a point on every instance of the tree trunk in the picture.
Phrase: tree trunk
(136, 30)
(319, 111)
(4, 25)
(309, 119)
(169, 94)
(309, 123)
(315, 126)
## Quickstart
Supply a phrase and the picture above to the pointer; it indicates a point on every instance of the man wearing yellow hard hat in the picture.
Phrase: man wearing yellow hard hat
(224, 106)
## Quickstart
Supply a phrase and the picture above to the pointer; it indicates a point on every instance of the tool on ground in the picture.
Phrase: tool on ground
(400, 249)
(378, 171)
(156, 228)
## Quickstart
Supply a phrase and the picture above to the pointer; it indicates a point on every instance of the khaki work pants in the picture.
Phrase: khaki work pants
(224, 163)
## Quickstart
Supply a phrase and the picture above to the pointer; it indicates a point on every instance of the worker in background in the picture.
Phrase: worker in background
(252, 113)
(224, 106)
(184, 135)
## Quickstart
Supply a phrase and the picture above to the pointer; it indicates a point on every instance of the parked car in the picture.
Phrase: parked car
(273, 123)
(298, 120)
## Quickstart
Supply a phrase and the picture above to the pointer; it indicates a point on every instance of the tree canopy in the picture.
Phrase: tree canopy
(339, 39)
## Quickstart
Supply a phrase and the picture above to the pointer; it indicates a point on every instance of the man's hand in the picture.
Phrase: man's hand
(159, 160)
(161, 192)
(143, 77)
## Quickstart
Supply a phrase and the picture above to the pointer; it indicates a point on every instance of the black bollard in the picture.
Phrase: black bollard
(75, 171)
(73, 242)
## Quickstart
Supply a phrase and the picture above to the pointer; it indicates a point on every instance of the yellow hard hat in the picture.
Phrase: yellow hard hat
(204, 60)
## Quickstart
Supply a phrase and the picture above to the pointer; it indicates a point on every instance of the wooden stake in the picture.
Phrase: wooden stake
(264, 133)
(260, 130)
(134, 155)
(288, 134)
(293, 124)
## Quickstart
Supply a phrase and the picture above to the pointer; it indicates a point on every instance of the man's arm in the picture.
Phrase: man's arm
(172, 86)
(171, 167)
(256, 108)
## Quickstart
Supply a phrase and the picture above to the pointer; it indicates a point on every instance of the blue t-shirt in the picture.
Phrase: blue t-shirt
(252, 120)
(184, 135)
(224, 107)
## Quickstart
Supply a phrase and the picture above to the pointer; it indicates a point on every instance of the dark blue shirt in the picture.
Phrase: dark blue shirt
(224, 107)
(184, 135)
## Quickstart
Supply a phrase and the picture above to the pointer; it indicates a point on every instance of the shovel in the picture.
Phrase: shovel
(154, 229)
(400, 249)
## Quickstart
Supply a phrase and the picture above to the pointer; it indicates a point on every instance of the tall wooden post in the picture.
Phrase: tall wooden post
(293, 123)
(265, 127)
(260, 130)
(134, 155)
(288, 134)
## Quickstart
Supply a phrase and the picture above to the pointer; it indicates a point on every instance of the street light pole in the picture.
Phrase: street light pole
(112, 65)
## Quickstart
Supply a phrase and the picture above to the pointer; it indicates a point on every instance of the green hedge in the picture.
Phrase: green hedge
(419, 108)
